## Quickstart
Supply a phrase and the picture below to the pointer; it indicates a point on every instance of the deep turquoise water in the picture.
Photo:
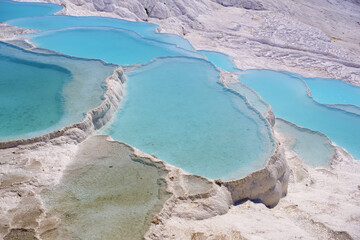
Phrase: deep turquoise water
(40, 93)
(112, 45)
(10, 10)
(176, 109)
(30, 98)
(146, 30)
(290, 101)
(221, 60)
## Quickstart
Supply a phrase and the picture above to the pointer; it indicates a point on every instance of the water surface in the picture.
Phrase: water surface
(341, 94)
(146, 30)
(312, 147)
(176, 109)
(333, 91)
(289, 99)
(112, 45)
(11, 10)
(221, 60)
(44, 92)
(30, 95)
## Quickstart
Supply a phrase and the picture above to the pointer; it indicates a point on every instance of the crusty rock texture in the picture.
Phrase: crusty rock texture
(267, 185)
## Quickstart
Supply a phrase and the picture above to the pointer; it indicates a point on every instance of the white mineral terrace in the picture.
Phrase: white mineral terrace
(319, 39)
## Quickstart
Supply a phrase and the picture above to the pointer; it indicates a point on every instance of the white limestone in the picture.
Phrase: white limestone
(310, 38)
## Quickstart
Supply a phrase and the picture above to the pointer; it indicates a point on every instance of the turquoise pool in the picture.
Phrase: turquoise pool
(146, 30)
(30, 98)
(112, 45)
(11, 10)
(331, 91)
(40, 93)
(176, 109)
(289, 99)
(313, 148)
(338, 93)
(221, 60)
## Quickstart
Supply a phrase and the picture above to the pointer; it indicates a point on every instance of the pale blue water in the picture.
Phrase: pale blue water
(221, 60)
(10, 10)
(346, 107)
(251, 96)
(312, 147)
(30, 98)
(333, 91)
(146, 30)
(109, 44)
(176, 109)
(290, 101)
(40, 93)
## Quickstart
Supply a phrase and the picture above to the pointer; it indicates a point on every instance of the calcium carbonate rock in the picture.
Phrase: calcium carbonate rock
(247, 4)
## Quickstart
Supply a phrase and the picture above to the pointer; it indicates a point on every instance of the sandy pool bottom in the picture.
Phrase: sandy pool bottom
(106, 193)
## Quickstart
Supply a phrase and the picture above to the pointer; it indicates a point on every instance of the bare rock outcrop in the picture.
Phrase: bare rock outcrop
(247, 4)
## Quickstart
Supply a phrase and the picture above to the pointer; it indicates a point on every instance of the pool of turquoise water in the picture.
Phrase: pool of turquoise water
(289, 99)
(124, 42)
(11, 10)
(40, 93)
(338, 93)
(221, 60)
(146, 30)
(312, 147)
(176, 109)
(112, 45)
(30, 95)
(332, 91)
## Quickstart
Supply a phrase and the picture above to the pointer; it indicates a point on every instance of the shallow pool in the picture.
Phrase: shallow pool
(11, 10)
(335, 92)
(314, 148)
(40, 93)
(188, 118)
(288, 97)
(112, 45)
(30, 98)
(105, 193)
(176, 109)
(146, 30)
(221, 60)
(175, 106)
